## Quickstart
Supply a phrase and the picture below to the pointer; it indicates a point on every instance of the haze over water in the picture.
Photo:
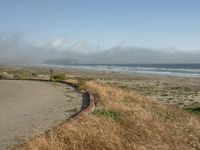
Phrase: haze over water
(102, 32)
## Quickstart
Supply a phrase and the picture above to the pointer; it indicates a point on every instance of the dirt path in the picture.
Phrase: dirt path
(27, 107)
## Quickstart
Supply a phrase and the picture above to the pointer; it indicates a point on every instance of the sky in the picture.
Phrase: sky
(98, 25)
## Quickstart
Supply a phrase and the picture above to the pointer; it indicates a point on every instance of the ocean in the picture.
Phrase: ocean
(183, 70)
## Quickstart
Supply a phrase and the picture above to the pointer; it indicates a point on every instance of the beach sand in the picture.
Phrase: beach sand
(173, 91)
(181, 91)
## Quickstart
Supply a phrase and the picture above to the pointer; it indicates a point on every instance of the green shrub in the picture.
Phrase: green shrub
(59, 77)
(34, 74)
(195, 109)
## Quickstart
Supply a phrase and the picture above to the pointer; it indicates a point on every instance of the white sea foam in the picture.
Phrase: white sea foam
(183, 72)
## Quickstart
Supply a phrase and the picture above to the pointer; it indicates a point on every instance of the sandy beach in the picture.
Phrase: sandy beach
(28, 108)
(183, 92)
(165, 108)
(180, 91)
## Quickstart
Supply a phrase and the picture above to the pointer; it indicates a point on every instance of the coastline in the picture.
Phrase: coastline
(174, 90)
(179, 70)
(129, 104)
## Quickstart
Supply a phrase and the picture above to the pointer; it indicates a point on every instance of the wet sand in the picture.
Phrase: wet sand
(31, 107)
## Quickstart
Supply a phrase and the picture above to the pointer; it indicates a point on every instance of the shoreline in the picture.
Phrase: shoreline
(180, 91)
(121, 102)
(129, 69)
(123, 69)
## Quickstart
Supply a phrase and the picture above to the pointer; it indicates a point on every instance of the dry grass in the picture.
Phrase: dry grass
(141, 124)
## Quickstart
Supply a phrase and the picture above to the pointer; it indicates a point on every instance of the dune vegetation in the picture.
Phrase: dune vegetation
(122, 119)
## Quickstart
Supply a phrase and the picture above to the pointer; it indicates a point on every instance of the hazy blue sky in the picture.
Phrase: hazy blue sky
(146, 23)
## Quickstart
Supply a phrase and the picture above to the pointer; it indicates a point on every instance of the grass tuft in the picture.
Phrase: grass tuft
(74, 110)
(108, 114)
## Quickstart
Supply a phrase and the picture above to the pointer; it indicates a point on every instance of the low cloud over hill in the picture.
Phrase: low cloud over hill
(14, 49)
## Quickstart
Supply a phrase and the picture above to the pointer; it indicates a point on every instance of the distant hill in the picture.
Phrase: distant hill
(126, 55)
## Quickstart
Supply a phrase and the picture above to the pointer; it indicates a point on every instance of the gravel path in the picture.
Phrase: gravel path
(30, 107)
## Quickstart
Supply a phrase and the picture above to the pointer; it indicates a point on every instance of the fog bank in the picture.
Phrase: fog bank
(15, 50)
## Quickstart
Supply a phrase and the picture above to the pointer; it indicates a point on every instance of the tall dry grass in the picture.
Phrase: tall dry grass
(142, 124)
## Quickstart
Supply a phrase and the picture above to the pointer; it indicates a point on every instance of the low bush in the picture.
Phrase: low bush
(59, 77)
(195, 109)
